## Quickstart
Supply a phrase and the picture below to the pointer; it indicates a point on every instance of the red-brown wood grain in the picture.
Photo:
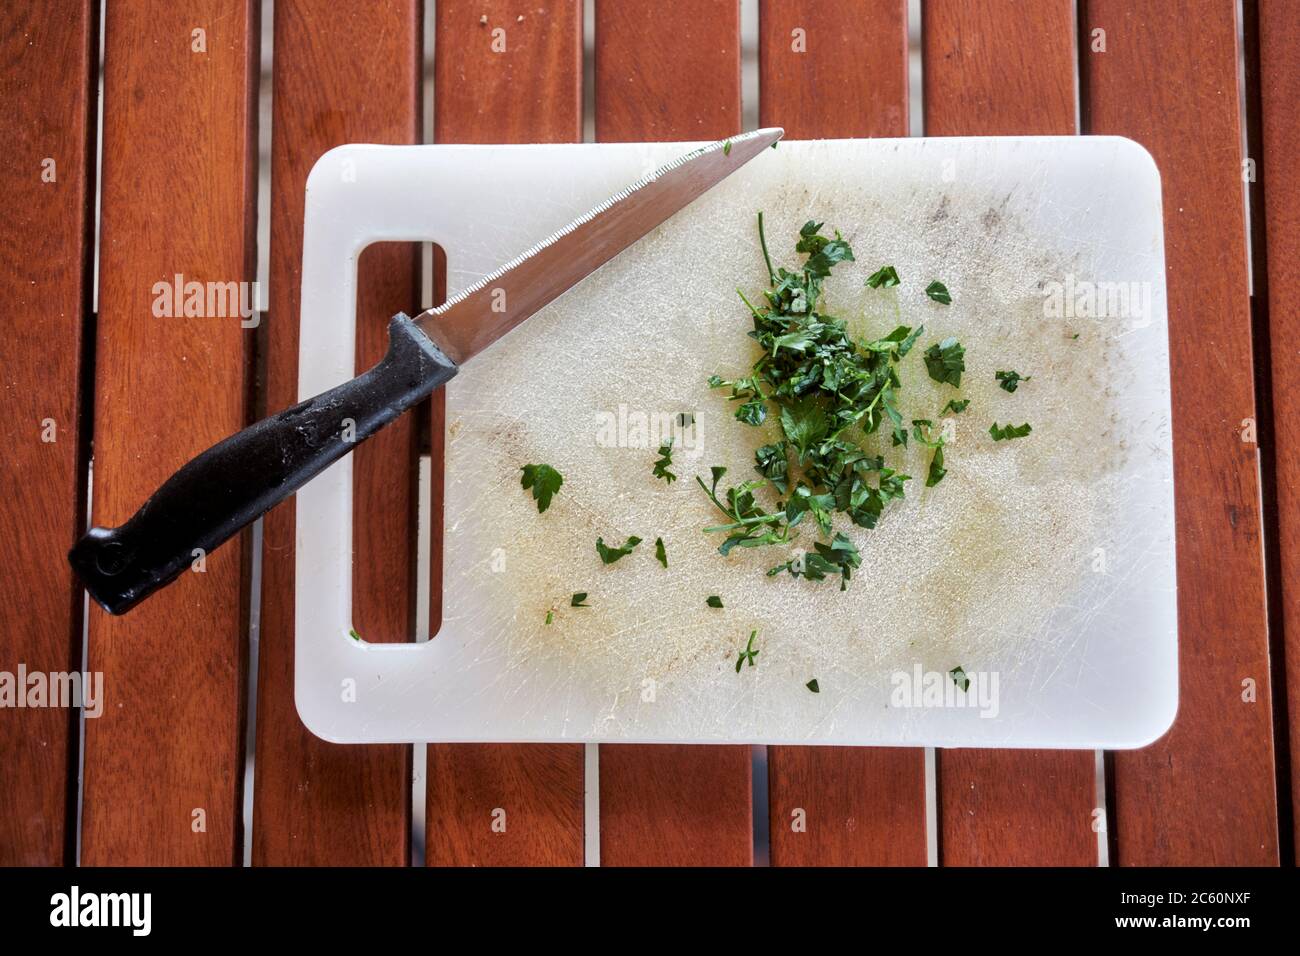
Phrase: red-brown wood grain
(861, 806)
(47, 86)
(833, 68)
(667, 69)
(521, 84)
(504, 805)
(671, 71)
(676, 805)
(998, 68)
(846, 806)
(1279, 75)
(1205, 793)
(342, 74)
(1001, 68)
(163, 765)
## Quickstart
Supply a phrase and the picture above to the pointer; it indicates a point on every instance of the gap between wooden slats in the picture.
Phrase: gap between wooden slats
(670, 70)
(857, 805)
(48, 128)
(163, 764)
(530, 92)
(1205, 793)
(1001, 68)
(342, 74)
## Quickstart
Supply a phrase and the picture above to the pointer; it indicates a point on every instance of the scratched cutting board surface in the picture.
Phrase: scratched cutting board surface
(1042, 567)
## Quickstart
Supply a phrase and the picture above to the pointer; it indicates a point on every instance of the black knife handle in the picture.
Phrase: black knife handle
(237, 480)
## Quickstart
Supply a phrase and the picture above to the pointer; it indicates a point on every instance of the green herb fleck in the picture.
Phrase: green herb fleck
(945, 361)
(545, 482)
(937, 291)
(726, 148)
(610, 555)
(749, 653)
(665, 459)
(1008, 431)
(921, 432)
(959, 678)
(883, 278)
(352, 633)
(550, 616)
(956, 406)
(714, 601)
(813, 686)
(660, 554)
(1010, 381)
(579, 599)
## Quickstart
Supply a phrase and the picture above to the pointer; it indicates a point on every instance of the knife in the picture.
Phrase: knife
(239, 479)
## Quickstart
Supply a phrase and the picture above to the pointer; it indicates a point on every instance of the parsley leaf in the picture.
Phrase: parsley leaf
(1008, 431)
(956, 406)
(813, 686)
(610, 555)
(665, 459)
(1010, 381)
(945, 361)
(579, 599)
(937, 291)
(550, 616)
(714, 601)
(921, 432)
(749, 653)
(352, 633)
(726, 148)
(883, 278)
(959, 678)
(840, 556)
(660, 554)
(545, 482)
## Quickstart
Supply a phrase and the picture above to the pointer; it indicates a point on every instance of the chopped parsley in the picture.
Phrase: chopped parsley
(959, 678)
(545, 482)
(813, 686)
(352, 633)
(1008, 431)
(660, 554)
(726, 148)
(550, 616)
(921, 432)
(1010, 381)
(883, 278)
(956, 406)
(610, 555)
(839, 557)
(665, 459)
(937, 291)
(714, 601)
(749, 653)
(945, 361)
(579, 599)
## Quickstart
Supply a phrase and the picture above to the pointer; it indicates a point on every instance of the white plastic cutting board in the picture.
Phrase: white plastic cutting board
(1043, 567)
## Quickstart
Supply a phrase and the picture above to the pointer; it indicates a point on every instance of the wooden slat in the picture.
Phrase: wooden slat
(504, 805)
(844, 75)
(163, 766)
(1205, 793)
(667, 69)
(47, 88)
(679, 805)
(529, 92)
(862, 806)
(1002, 68)
(1279, 80)
(670, 70)
(998, 68)
(342, 74)
(846, 806)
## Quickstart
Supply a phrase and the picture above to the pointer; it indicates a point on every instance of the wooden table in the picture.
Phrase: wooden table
(163, 768)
